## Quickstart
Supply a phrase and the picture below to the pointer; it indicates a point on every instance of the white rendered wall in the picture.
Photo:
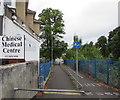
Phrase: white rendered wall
(31, 44)
(119, 13)
(1, 8)
(13, 5)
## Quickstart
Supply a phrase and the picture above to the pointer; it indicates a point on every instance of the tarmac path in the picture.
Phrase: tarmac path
(92, 88)
(61, 79)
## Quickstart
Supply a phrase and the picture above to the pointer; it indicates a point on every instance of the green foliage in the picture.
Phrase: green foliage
(70, 54)
(102, 41)
(52, 29)
(114, 43)
(75, 38)
(102, 45)
(59, 48)
(111, 47)
(87, 51)
(51, 23)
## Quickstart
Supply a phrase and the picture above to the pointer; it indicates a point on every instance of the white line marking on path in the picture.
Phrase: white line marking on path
(75, 79)
(116, 93)
(108, 93)
(99, 93)
(89, 93)
(75, 72)
(88, 84)
(80, 76)
(85, 84)
(97, 84)
(92, 84)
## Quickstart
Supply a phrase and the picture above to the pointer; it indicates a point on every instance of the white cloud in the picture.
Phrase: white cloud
(87, 18)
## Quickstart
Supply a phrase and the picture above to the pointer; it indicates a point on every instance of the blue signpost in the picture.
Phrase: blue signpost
(77, 45)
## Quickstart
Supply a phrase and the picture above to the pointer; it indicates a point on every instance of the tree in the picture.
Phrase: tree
(91, 43)
(114, 43)
(75, 38)
(110, 43)
(102, 45)
(87, 51)
(52, 23)
(59, 48)
(52, 29)
(70, 54)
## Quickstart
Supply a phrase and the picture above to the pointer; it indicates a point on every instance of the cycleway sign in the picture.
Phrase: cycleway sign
(77, 44)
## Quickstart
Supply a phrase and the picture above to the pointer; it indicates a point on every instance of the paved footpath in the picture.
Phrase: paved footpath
(91, 87)
(61, 80)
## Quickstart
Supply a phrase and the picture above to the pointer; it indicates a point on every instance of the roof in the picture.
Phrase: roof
(36, 21)
(31, 12)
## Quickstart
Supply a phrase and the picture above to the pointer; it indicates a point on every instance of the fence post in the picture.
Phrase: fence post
(95, 70)
(119, 74)
(41, 75)
(88, 65)
(108, 66)
(79, 65)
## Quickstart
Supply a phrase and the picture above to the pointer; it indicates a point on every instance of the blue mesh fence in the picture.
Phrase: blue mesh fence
(106, 70)
(114, 73)
(44, 70)
(70, 63)
(83, 65)
(91, 67)
(101, 70)
(88, 66)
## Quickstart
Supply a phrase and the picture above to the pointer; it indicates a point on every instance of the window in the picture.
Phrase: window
(8, 2)
(0, 2)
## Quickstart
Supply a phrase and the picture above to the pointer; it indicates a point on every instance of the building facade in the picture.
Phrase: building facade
(17, 20)
(119, 13)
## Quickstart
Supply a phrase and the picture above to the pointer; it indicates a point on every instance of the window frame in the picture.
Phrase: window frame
(8, 2)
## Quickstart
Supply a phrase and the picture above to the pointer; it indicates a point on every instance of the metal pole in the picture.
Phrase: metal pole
(51, 49)
(108, 61)
(52, 54)
(39, 69)
(77, 67)
(49, 90)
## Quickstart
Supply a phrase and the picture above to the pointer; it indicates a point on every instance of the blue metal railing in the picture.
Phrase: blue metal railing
(70, 63)
(44, 70)
(106, 70)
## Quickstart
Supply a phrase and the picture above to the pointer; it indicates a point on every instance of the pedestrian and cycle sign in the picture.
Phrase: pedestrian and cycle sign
(76, 44)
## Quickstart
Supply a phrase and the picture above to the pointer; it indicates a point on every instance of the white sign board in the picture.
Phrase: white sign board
(12, 47)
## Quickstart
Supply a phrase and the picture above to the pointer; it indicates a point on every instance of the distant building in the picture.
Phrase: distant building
(119, 13)
(17, 19)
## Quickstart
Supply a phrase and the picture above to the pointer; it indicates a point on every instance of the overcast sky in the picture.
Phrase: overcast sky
(89, 19)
